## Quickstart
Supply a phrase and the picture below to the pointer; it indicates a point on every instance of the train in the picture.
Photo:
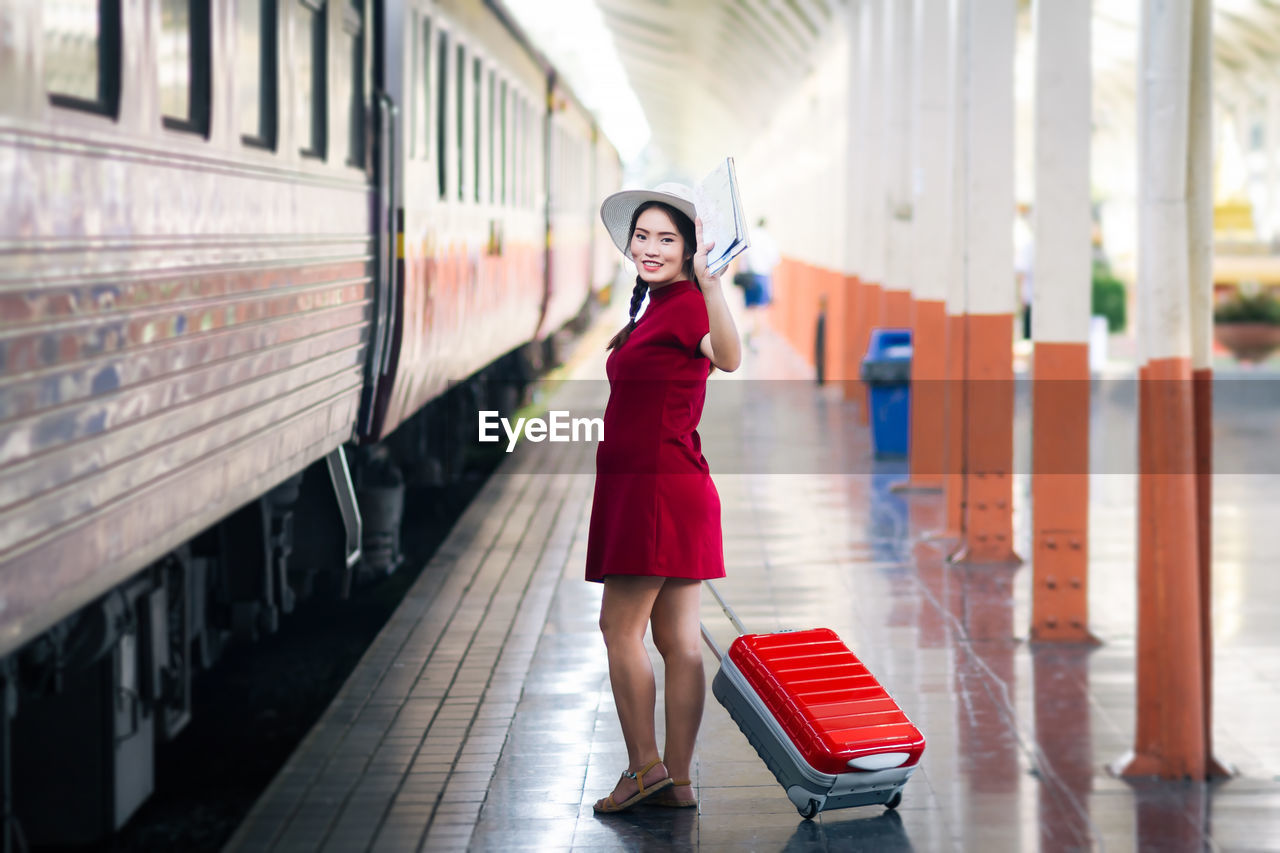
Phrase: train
(259, 259)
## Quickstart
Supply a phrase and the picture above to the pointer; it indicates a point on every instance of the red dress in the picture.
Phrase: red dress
(655, 511)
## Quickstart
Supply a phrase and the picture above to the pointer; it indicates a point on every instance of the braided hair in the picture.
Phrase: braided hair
(637, 296)
(685, 227)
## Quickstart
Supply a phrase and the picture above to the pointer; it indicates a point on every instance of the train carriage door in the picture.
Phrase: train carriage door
(593, 193)
(389, 36)
(550, 175)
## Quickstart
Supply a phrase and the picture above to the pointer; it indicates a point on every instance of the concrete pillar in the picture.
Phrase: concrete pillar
(931, 207)
(990, 294)
(895, 306)
(1060, 314)
(855, 207)
(1169, 739)
(958, 157)
(871, 52)
(1272, 154)
(1200, 248)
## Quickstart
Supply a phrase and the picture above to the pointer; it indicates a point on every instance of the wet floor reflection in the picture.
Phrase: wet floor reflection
(1065, 746)
(883, 832)
(647, 828)
(985, 695)
(1173, 817)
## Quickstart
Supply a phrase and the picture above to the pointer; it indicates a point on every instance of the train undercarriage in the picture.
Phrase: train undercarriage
(89, 701)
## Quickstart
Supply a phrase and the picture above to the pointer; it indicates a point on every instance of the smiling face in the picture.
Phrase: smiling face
(658, 249)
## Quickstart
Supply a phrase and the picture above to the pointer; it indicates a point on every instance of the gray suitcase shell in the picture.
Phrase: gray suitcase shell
(809, 789)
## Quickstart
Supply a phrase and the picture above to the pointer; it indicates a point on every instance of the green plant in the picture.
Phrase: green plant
(1108, 297)
(1259, 307)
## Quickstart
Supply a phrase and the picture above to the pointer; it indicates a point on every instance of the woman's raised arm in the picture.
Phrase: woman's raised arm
(721, 344)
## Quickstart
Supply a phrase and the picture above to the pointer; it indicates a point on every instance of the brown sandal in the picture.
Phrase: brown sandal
(669, 799)
(641, 795)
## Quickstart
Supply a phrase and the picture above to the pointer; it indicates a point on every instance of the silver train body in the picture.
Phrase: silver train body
(254, 258)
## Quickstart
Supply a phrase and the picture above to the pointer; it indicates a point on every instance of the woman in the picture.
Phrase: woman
(655, 516)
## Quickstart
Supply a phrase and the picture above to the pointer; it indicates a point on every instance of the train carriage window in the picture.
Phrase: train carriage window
(525, 149)
(462, 121)
(442, 114)
(353, 29)
(310, 75)
(82, 54)
(502, 112)
(477, 112)
(529, 153)
(522, 152)
(517, 179)
(413, 102)
(428, 94)
(533, 153)
(538, 160)
(256, 72)
(183, 64)
(533, 156)
(515, 146)
(422, 91)
(493, 148)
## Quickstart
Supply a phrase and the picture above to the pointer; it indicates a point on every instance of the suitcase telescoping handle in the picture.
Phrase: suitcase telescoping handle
(728, 611)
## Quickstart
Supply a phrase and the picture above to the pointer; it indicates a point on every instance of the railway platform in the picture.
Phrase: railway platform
(482, 718)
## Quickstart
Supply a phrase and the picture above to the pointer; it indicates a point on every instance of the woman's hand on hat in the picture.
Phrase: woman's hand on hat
(700, 257)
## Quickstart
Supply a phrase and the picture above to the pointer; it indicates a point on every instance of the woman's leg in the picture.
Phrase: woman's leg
(676, 634)
(624, 614)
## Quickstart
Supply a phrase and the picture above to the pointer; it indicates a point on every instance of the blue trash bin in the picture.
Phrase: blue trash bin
(886, 368)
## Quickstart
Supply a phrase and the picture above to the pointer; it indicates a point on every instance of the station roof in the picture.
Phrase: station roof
(714, 68)
(1246, 46)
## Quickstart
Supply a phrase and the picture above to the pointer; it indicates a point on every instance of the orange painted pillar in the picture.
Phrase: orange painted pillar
(849, 357)
(1060, 491)
(788, 328)
(953, 403)
(896, 165)
(794, 306)
(1171, 738)
(835, 325)
(1060, 326)
(1202, 403)
(928, 393)
(953, 278)
(895, 309)
(809, 322)
(786, 304)
(987, 31)
(871, 234)
(1200, 246)
(871, 294)
(931, 235)
(798, 306)
(1147, 685)
(861, 130)
(988, 440)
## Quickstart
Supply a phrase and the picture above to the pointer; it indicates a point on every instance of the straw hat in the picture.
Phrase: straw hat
(617, 209)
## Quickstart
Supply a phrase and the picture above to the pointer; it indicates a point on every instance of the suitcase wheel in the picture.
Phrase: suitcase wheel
(809, 811)
(894, 801)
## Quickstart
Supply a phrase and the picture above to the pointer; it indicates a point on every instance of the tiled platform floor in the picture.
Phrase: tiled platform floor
(482, 717)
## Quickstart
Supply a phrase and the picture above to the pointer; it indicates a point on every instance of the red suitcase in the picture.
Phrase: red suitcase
(833, 737)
